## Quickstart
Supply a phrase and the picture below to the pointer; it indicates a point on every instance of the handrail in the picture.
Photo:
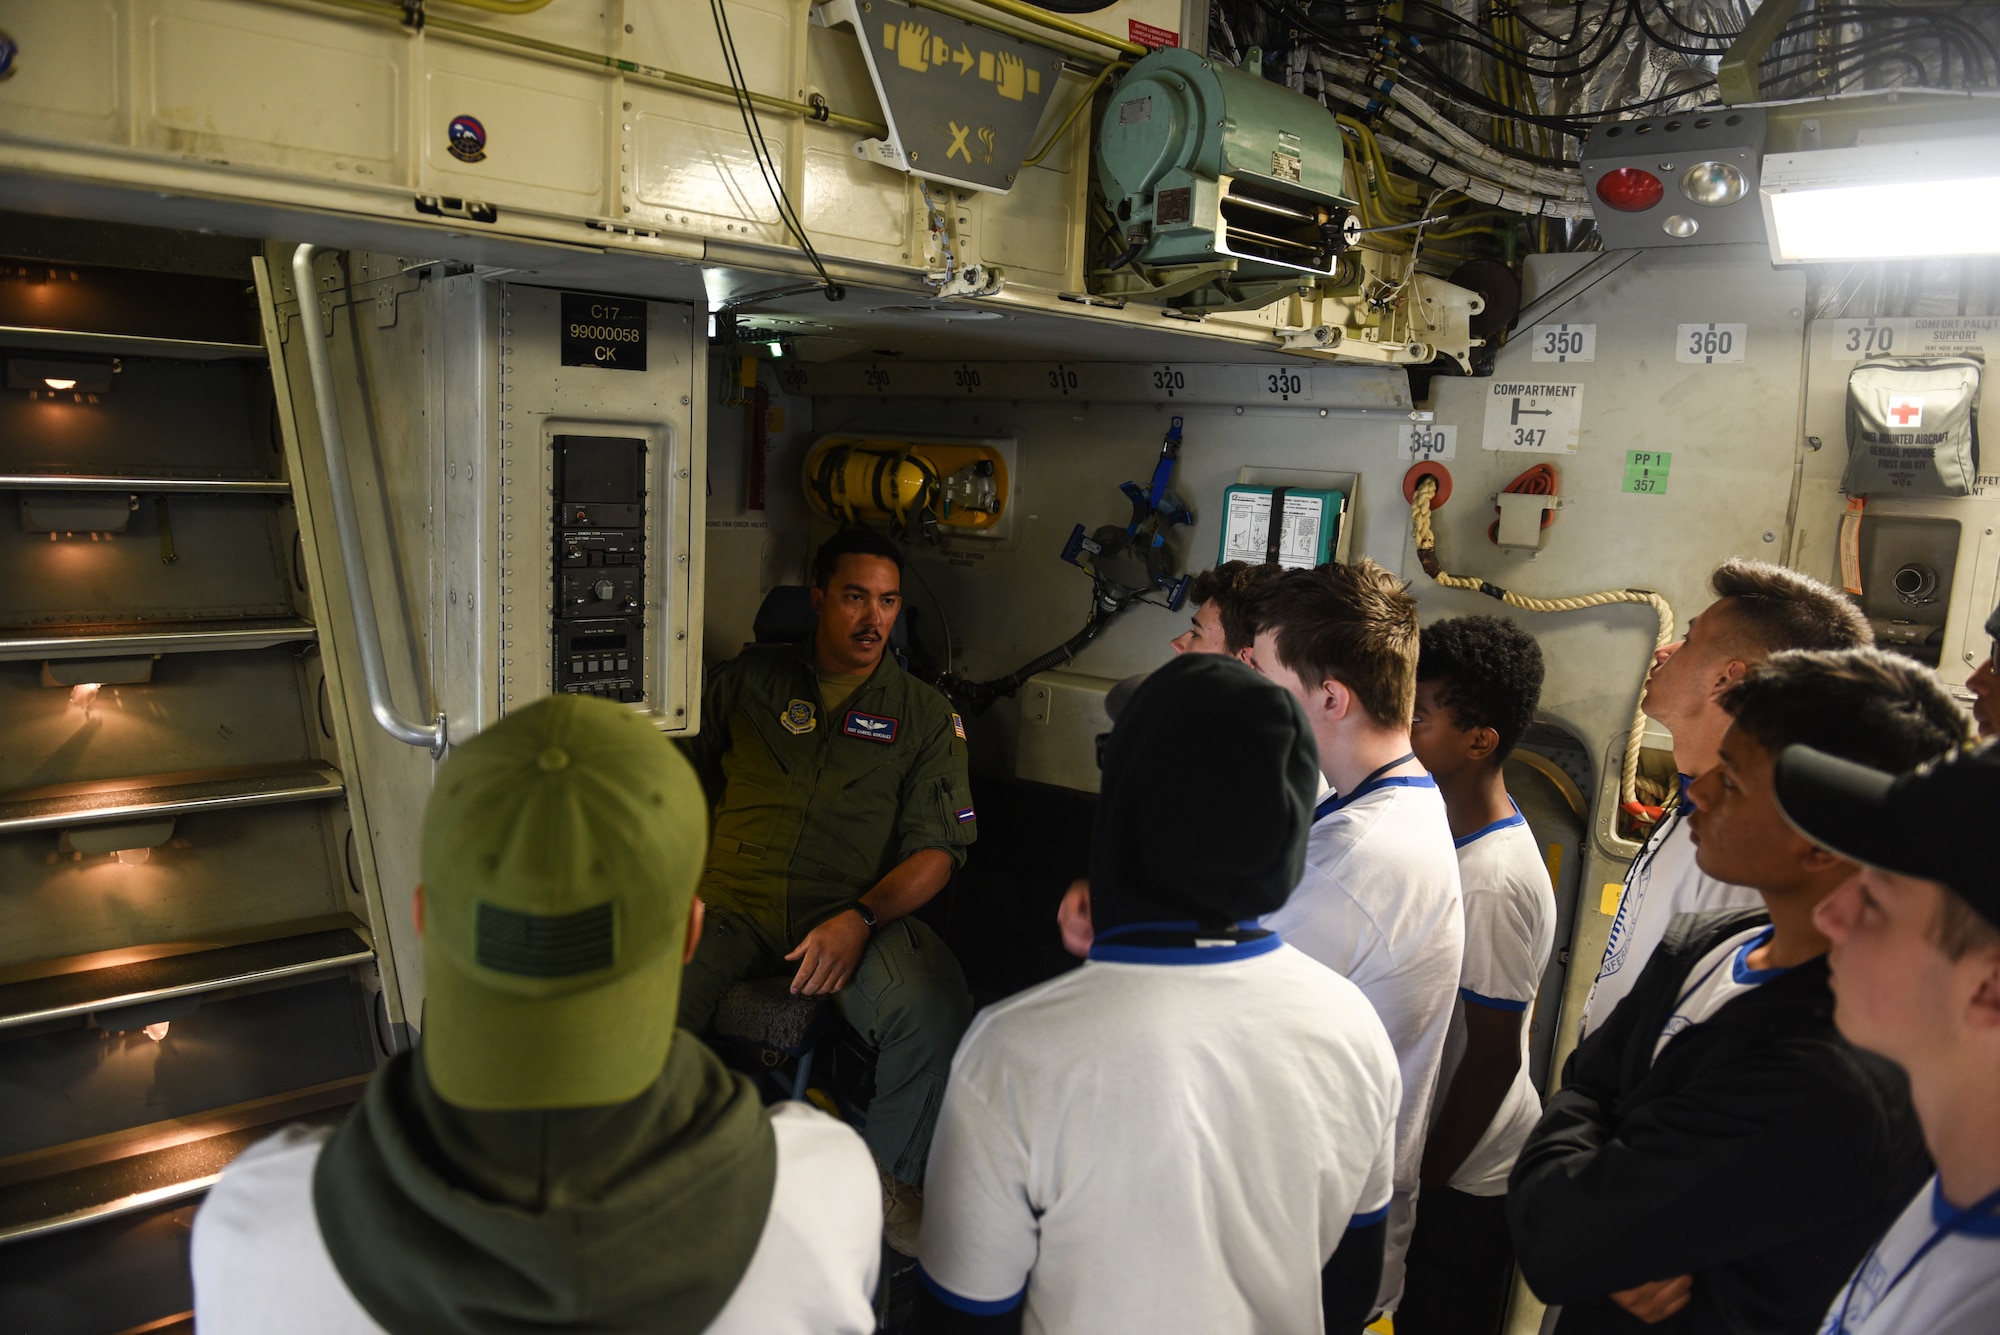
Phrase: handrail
(367, 631)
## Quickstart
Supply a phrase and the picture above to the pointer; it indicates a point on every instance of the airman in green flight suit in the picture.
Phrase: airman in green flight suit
(841, 806)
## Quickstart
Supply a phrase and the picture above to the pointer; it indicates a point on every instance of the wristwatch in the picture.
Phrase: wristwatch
(867, 916)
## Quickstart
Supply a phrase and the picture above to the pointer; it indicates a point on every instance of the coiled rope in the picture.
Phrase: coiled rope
(1426, 538)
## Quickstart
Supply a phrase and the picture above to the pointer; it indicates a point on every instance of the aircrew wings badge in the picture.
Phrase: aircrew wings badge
(869, 727)
(798, 717)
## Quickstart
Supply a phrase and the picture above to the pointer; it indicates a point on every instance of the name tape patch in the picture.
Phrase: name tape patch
(873, 727)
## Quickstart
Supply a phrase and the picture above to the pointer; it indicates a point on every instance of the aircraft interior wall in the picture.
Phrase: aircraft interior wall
(337, 510)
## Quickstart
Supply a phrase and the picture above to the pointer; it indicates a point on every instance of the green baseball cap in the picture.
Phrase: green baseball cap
(561, 850)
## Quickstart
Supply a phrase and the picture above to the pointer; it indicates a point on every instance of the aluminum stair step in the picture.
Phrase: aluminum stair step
(101, 800)
(86, 1181)
(176, 969)
(147, 484)
(27, 644)
(129, 345)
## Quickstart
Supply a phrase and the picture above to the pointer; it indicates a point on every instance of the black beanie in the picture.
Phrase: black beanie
(1210, 775)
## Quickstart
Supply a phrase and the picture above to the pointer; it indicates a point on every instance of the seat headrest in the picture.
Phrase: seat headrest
(786, 616)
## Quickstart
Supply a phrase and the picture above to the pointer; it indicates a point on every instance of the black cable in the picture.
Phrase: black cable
(1668, 14)
(1860, 68)
(977, 695)
(767, 166)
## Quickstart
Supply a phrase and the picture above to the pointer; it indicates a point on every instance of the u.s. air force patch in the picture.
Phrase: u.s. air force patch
(798, 717)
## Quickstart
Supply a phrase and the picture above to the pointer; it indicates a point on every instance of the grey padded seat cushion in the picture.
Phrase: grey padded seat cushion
(764, 1011)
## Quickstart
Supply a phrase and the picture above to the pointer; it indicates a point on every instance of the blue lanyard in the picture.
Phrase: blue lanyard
(1335, 801)
(1985, 1208)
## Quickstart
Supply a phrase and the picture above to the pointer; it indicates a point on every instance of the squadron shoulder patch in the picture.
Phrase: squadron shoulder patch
(872, 727)
(798, 717)
(958, 726)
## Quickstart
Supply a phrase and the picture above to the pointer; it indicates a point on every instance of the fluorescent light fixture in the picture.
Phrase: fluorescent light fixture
(1914, 200)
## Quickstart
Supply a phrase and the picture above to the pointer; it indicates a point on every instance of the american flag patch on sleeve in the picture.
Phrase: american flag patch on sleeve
(958, 726)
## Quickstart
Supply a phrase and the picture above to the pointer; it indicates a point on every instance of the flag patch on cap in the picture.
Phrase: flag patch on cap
(966, 816)
(958, 726)
(541, 945)
(873, 727)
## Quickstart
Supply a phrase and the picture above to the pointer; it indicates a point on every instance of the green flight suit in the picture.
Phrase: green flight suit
(811, 809)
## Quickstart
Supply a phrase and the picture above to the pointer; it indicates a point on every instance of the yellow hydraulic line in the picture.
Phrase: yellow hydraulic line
(1041, 18)
(1372, 151)
(502, 6)
(653, 74)
(1089, 95)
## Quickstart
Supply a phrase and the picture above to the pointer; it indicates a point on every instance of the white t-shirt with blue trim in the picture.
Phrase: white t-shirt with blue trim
(1663, 882)
(1718, 978)
(1510, 929)
(1379, 905)
(1164, 1140)
(1954, 1289)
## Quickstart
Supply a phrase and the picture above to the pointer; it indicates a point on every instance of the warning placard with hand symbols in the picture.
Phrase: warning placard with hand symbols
(963, 102)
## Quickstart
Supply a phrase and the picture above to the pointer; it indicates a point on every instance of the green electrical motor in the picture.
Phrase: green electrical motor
(1201, 162)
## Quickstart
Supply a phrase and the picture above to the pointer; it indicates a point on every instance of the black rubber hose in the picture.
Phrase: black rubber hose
(977, 695)
(1131, 253)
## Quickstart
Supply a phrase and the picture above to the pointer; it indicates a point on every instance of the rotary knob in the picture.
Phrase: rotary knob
(603, 589)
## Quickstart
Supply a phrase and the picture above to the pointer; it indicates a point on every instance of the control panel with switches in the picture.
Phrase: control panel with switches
(600, 566)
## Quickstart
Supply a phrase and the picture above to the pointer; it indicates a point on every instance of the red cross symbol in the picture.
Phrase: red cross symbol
(1907, 411)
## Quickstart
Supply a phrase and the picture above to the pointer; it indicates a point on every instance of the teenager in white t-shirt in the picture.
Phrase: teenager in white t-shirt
(1379, 901)
(1721, 1076)
(555, 1155)
(1759, 609)
(1220, 601)
(1916, 968)
(1478, 681)
(1193, 1132)
(261, 1265)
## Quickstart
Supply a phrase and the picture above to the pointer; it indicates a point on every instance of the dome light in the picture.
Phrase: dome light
(1630, 190)
(1680, 226)
(1713, 184)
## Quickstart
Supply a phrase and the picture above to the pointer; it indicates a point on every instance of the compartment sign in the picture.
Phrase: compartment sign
(606, 332)
(1534, 416)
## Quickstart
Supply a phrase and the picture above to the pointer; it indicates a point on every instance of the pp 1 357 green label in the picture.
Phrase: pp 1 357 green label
(1646, 471)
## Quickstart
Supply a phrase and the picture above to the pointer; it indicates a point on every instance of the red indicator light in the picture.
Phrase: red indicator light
(1630, 190)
